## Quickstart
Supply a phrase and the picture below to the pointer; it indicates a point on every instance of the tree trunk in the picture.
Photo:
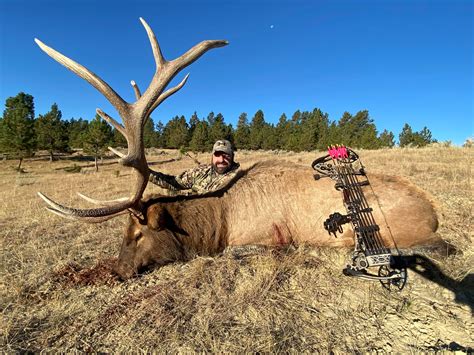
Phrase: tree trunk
(96, 165)
(51, 157)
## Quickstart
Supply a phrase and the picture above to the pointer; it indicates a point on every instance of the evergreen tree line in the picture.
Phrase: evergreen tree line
(21, 133)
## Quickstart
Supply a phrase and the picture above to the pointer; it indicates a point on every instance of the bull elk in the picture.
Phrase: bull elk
(267, 204)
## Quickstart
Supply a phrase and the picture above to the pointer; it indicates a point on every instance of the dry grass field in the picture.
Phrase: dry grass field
(57, 292)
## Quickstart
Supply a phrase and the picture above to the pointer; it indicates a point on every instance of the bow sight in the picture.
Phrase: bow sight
(369, 248)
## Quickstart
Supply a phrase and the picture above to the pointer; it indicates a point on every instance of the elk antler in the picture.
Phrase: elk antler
(134, 116)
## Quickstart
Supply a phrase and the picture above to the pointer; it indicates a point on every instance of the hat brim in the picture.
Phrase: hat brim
(226, 151)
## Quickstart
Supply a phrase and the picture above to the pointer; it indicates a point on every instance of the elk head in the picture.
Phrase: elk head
(134, 116)
(151, 243)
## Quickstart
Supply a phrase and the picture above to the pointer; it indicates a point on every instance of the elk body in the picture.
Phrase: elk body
(271, 204)
(267, 204)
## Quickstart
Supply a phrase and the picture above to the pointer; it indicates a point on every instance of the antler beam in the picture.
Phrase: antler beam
(134, 116)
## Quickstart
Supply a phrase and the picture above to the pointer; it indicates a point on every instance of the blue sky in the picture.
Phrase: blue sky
(404, 61)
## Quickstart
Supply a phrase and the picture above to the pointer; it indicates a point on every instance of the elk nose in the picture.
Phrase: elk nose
(123, 271)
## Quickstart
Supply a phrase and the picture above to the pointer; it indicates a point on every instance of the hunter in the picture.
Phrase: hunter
(204, 178)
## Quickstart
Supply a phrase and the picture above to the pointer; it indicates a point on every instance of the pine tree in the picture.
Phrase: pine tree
(406, 136)
(242, 132)
(386, 139)
(76, 130)
(358, 131)
(149, 134)
(175, 133)
(425, 137)
(296, 117)
(51, 133)
(160, 139)
(334, 134)
(256, 130)
(323, 132)
(282, 131)
(200, 139)
(293, 139)
(416, 139)
(294, 132)
(211, 118)
(98, 137)
(312, 124)
(118, 139)
(270, 138)
(367, 138)
(17, 136)
(193, 122)
(219, 130)
(345, 130)
(307, 132)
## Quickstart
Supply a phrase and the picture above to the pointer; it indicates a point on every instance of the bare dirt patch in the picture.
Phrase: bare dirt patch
(73, 274)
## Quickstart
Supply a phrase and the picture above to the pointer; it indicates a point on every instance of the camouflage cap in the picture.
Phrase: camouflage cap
(223, 145)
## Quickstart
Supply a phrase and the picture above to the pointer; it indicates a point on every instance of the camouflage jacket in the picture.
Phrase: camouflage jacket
(198, 180)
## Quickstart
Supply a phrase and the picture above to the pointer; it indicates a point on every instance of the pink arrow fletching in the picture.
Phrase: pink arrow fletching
(344, 152)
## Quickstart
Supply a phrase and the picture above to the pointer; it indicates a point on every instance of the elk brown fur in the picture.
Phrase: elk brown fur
(271, 204)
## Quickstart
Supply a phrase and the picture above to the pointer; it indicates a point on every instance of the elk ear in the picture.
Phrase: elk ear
(133, 228)
(157, 217)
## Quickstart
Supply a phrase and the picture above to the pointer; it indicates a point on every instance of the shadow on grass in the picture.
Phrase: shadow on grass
(423, 266)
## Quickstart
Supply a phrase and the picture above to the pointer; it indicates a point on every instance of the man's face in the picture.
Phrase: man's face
(221, 162)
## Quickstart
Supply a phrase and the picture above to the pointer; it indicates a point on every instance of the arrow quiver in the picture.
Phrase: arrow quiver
(369, 248)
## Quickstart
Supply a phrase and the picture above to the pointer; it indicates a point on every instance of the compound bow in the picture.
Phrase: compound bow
(369, 248)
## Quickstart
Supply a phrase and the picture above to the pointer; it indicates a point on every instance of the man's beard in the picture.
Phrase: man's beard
(222, 169)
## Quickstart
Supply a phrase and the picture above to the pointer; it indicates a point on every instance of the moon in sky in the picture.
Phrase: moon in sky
(271, 26)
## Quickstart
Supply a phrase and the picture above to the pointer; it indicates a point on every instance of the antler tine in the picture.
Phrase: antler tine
(196, 52)
(116, 152)
(138, 94)
(88, 215)
(114, 123)
(87, 75)
(160, 61)
(168, 93)
(102, 202)
(92, 219)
